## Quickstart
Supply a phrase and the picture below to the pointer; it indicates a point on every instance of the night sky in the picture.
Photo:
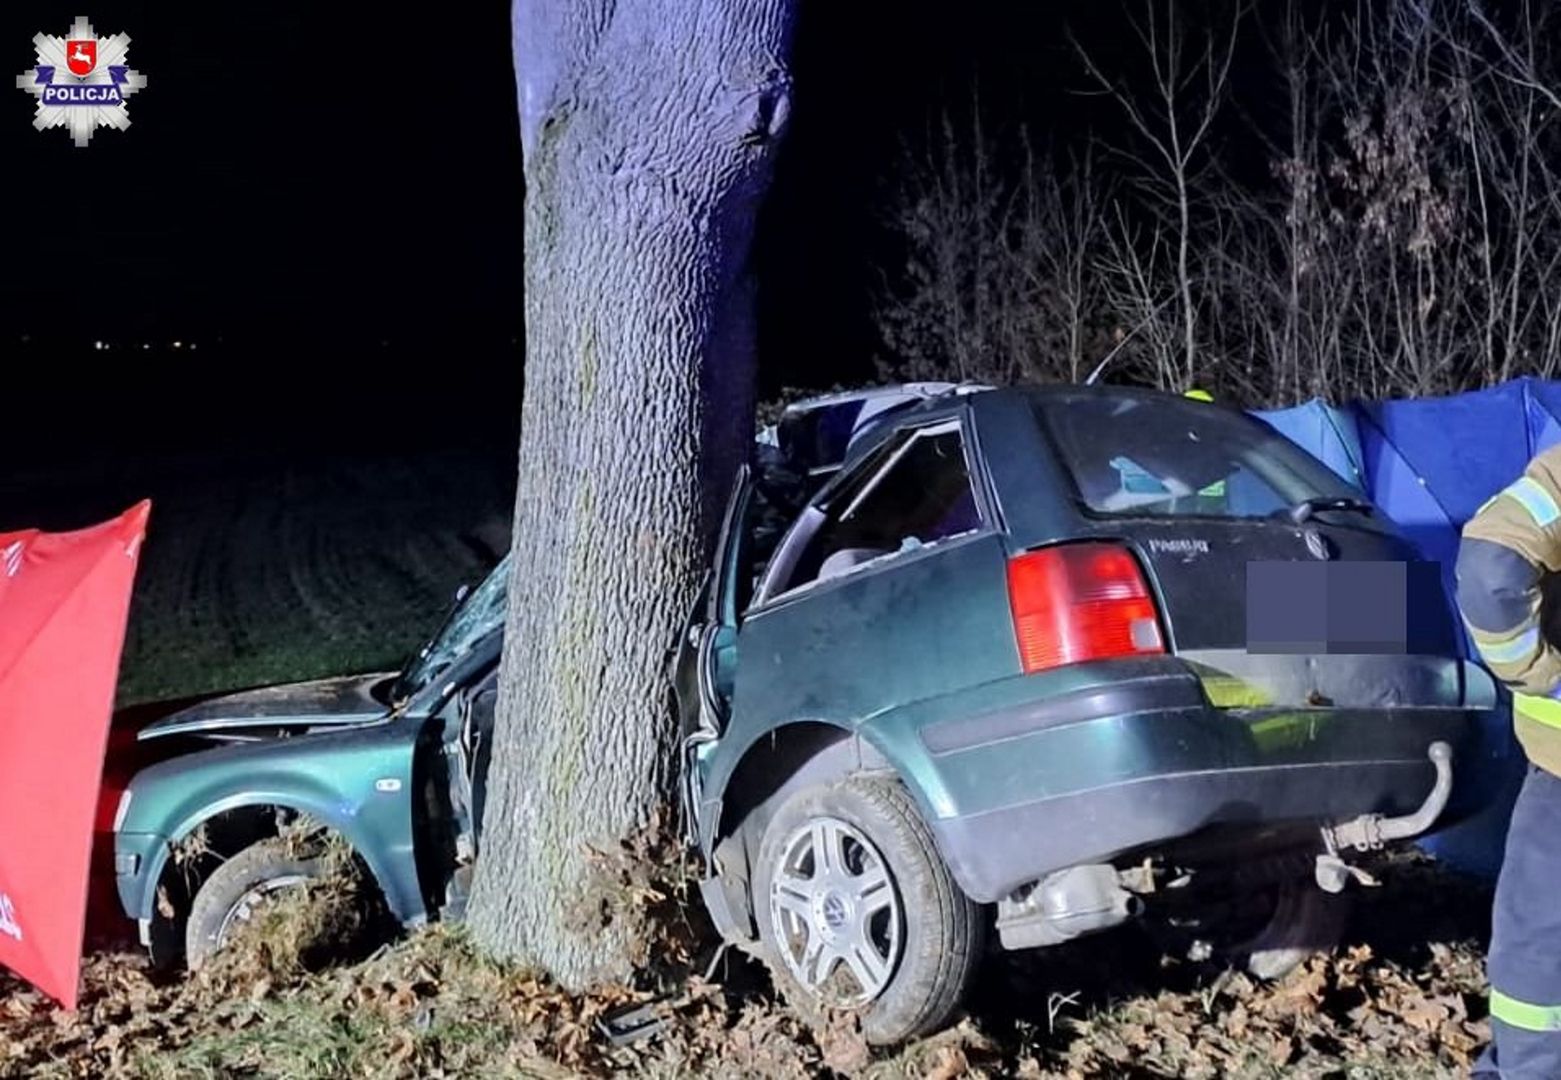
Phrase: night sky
(327, 200)
(283, 169)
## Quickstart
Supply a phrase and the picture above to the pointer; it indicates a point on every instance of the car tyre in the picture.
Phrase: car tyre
(882, 907)
(246, 878)
(1305, 921)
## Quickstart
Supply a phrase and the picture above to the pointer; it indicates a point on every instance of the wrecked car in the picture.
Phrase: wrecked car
(1046, 662)
(971, 665)
(392, 763)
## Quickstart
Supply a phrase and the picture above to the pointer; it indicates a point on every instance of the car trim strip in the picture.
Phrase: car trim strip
(1159, 693)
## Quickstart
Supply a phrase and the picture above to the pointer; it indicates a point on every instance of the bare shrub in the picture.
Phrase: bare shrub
(1408, 240)
(997, 283)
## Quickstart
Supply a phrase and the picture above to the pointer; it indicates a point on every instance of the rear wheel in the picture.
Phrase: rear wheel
(237, 889)
(857, 910)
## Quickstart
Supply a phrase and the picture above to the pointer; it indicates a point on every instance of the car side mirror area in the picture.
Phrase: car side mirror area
(462, 592)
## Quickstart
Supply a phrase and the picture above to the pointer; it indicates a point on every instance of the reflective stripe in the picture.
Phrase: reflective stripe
(1520, 1014)
(1541, 710)
(1512, 650)
(1535, 499)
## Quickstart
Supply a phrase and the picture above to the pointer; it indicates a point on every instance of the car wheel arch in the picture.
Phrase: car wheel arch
(766, 771)
(251, 820)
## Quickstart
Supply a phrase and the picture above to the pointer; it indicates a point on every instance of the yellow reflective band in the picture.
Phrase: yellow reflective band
(1511, 651)
(1541, 710)
(1198, 395)
(1521, 1014)
(1532, 496)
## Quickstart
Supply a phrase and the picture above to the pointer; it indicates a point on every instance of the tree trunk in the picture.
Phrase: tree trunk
(649, 129)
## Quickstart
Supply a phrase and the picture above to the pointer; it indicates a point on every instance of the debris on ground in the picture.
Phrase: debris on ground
(1404, 998)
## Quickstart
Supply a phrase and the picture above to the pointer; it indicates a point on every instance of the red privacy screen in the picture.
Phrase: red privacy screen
(64, 599)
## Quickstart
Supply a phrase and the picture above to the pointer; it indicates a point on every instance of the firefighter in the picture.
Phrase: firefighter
(1510, 549)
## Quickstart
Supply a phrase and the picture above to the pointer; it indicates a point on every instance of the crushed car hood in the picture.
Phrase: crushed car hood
(338, 702)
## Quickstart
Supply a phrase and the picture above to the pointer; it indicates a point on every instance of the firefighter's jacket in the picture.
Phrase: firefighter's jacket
(1510, 549)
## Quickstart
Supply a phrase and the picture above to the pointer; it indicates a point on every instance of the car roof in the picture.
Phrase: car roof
(817, 434)
(933, 404)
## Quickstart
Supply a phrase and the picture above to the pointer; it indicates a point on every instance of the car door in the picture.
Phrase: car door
(706, 659)
(890, 589)
(478, 711)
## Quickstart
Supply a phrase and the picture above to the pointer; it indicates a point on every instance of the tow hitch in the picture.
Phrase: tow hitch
(1370, 832)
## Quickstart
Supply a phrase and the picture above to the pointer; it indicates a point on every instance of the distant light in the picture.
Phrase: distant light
(146, 344)
(192, 346)
(178, 344)
(97, 345)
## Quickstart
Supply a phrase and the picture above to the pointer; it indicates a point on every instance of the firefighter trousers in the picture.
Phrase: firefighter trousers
(1524, 964)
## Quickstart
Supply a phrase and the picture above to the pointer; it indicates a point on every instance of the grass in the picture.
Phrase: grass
(289, 570)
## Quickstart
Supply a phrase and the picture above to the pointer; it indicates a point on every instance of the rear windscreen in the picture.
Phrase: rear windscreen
(1147, 456)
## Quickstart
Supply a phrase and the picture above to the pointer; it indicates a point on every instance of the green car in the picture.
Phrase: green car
(393, 763)
(1040, 662)
(1049, 662)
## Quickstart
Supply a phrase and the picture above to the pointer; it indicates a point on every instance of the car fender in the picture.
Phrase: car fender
(810, 738)
(380, 834)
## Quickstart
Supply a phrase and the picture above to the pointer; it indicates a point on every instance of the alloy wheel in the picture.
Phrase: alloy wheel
(836, 912)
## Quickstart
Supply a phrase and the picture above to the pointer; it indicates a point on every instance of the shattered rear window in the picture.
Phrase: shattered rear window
(1143, 456)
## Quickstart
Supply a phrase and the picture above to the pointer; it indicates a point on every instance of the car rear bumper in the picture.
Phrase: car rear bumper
(1140, 758)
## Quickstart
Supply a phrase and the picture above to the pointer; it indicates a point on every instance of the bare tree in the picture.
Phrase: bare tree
(1060, 233)
(649, 129)
(1188, 84)
(1408, 243)
(997, 283)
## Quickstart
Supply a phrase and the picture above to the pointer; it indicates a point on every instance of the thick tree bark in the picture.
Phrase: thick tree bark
(649, 129)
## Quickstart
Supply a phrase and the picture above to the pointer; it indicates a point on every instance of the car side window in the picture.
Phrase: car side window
(920, 495)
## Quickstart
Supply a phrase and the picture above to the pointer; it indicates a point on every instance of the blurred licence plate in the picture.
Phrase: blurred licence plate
(1327, 607)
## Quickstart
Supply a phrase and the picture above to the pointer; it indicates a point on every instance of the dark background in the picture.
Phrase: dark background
(322, 205)
(328, 207)
(326, 201)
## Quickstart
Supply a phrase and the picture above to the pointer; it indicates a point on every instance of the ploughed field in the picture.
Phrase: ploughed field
(267, 569)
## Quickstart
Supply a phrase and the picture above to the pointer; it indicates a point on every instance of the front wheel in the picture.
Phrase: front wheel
(238, 888)
(856, 909)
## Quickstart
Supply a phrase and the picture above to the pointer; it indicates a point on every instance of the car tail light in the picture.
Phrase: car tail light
(1080, 602)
